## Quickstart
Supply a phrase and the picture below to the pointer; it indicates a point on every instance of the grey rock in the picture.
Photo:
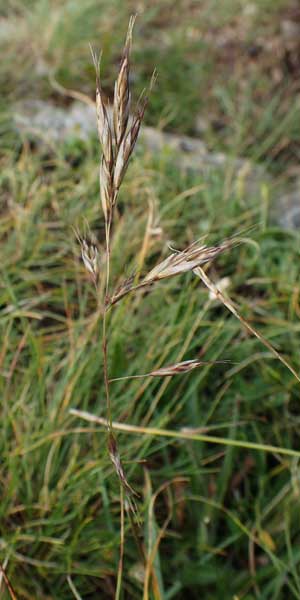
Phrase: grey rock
(290, 30)
(287, 212)
(50, 123)
(201, 125)
(7, 30)
(47, 122)
(193, 155)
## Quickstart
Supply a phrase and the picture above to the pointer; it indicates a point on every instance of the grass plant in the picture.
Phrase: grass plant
(213, 453)
(118, 135)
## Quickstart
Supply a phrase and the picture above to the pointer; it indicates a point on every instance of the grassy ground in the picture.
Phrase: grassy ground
(232, 529)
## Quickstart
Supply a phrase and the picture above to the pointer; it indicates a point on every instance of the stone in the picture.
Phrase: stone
(47, 122)
(201, 125)
(51, 123)
(287, 212)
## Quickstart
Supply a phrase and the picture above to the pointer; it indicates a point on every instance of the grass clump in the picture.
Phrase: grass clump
(215, 516)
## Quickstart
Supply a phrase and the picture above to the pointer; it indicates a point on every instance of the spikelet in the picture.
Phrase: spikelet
(176, 369)
(186, 260)
(127, 146)
(105, 189)
(175, 264)
(89, 254)
(103, 124)
(117, 139)
(183, 367)
(122, 94)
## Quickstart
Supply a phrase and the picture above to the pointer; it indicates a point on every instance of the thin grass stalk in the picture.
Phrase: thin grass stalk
(7, 583)
(215, 290)
(73, 588)
(122, 543)
(104, 333)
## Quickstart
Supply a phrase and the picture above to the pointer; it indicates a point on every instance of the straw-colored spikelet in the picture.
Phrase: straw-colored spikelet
(176, 369)
(117, 138)
(104, 129)
(183, 367)
(186, 260)
(127, 146)
(105, 180)
(122, 94)
(175, 264)
(89, 255)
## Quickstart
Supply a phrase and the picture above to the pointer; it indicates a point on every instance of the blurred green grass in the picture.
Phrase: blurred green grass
(234, 528)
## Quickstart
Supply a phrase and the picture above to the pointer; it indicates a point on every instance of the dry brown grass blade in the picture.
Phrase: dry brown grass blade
(218, 294)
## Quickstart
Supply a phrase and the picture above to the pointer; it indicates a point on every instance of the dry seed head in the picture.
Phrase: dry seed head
(122, 92)
(183, 367)
(105, 188)
(176, 369)
(187, 260)
(125, 286)
(89, 254)
(104, 131)
(176, 264)
(117, 139)
(126, 148)
(90, 257)
(122, 160)
(121, 106)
